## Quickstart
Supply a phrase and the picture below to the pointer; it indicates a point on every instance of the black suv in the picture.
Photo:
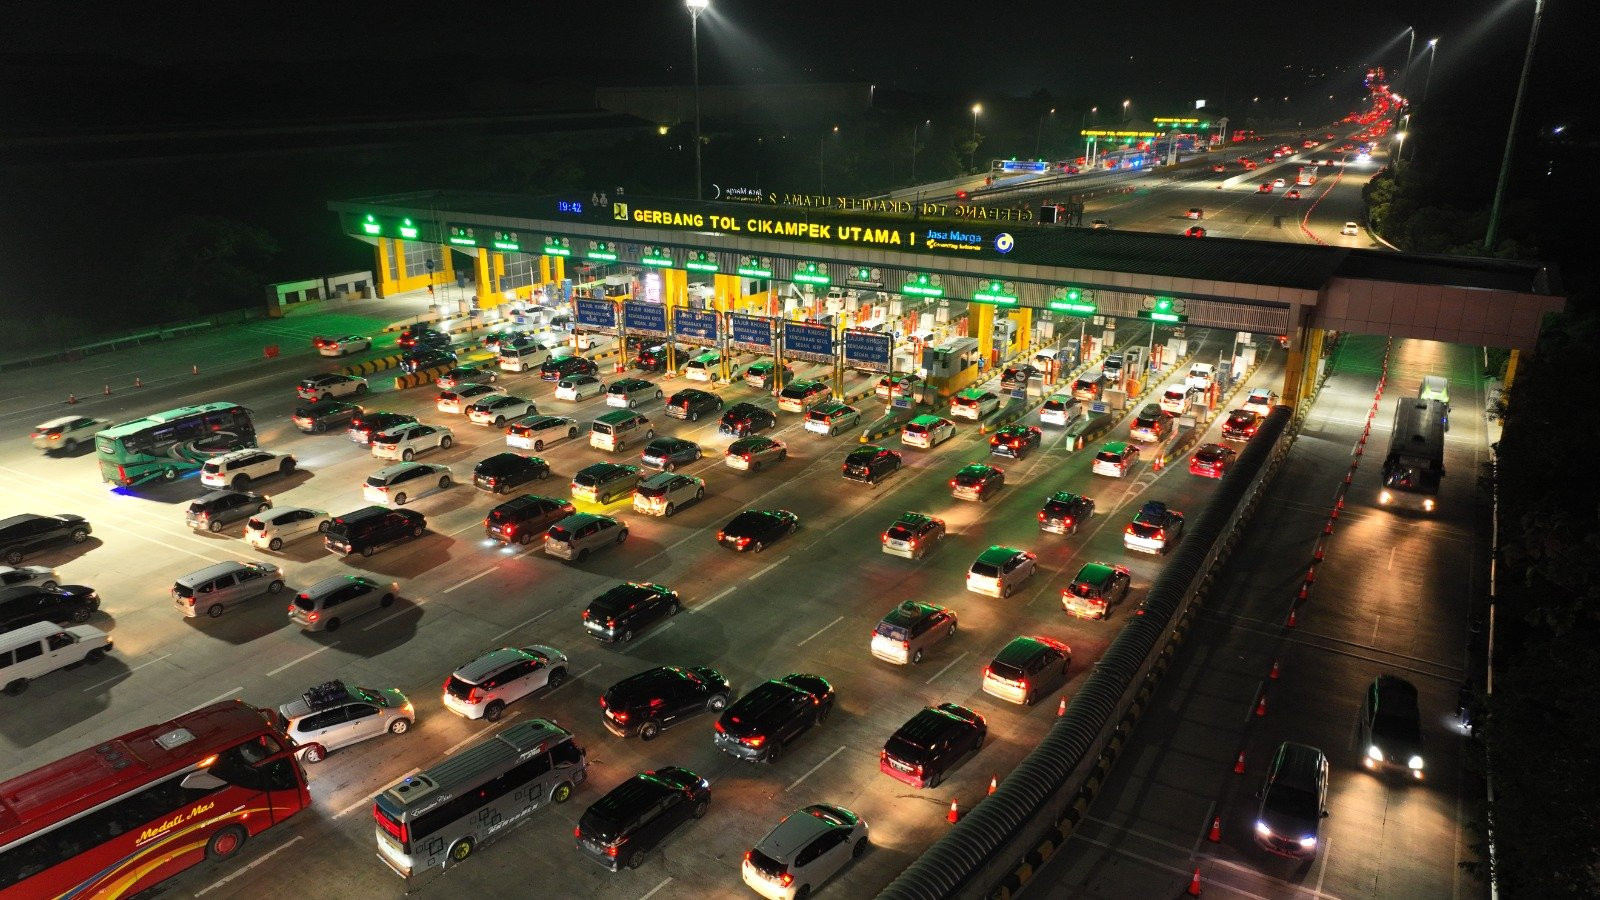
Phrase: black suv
(503, 471)
(422, 336)
(654, 699)
(562, 366)
(68, 604)
(652, 359)
(932, 743)
(22, 535)
(1064, 511)
(1391, 726)
(743, 419)
(431, 358)
(1017, 376)
(870, 463)
(315, 418)
(372, 527)
(217, 509)
(624, 825)
(757, 726)
(524, 518)
(616, 614)
(365, 425)
(691, 404)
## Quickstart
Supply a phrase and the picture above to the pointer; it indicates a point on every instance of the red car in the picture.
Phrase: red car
(1218, 167)
(1265, 188)
(1292, 195)
(1211, 460)
(1249, 165)
(1195, 231)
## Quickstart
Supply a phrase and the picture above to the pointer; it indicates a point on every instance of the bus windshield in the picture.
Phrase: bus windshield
(166, 445)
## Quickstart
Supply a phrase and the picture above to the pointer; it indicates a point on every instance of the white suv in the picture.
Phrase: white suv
(481, 689)
(239, 468)
(499, 409)
(406, 441)
(319, 387)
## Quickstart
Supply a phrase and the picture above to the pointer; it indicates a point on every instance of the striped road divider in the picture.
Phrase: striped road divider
(373, 365)
(416, 379)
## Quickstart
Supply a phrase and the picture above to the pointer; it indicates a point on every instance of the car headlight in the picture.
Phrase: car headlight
(1309, 842)
(1414, 762)
(1373, 752)
(1262, 829)
(1384, 497)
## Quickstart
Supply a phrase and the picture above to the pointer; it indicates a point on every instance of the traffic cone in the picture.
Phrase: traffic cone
(954, 815)
(1238, 766)
(1318, 554)
(1194, 884)
(1261, 705)
(108, 390)
(72, 398)
(994, 782)
(1311, 574)
(1333, 515)
(1328, 528)
(1215, 835)
(194, 370)
(1274, 673)
(1361, 447)
(1348, 477)
(1292, 621)
(137, 382)
(1061, 709)
(1304, 592)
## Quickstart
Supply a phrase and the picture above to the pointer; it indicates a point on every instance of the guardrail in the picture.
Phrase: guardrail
(1049, 792)
(123, 342)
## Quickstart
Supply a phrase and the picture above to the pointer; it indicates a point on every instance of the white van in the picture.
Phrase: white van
(523, 358)
(1201, 375)
(703, 367)
(1060, 409)
(1435, 387)
(43, 647)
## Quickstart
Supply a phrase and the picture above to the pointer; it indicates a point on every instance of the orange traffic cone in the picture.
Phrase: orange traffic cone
(1261, 705)
(1061, 708)
(108, 390)
(1238, 766)
(1311, 574)
(1292, 622)
(1328, 528)
(72, 398)
(194, 370)
(1274, 673)
(1215, 835)
(954, 815)
(1194, 884)
(1318, 554)
(137, 382)
(994, 782)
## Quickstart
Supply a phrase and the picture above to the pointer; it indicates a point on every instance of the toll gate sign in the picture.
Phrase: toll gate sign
(867, 350)
(808, 341)
(753, 333)
(645, 318)
(695, 326)
(596, 315)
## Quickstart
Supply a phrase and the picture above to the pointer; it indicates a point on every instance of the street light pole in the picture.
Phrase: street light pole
(696, 7)
(915, 148)
(1088, 152)
(1511, 133)
(1405, 79)
(1433, 45)
(972, 156)
(1039, 137)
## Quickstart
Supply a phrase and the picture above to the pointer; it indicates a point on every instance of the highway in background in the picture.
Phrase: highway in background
(808, 603)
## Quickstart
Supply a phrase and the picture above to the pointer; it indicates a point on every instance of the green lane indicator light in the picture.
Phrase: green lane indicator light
(554, 246)
(601, 251)
(702, 261)
(408, 230)
(811, 273)
(462, 237)
(370, 225)
(506, 240)
(923, 285)
(755, 267)
(659, 257)
(997, 292)
(1164, 310)
(1070, 300)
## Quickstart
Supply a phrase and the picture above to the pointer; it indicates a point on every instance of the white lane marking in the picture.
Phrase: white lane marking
(725, 592)
(820, 631)
(217, 699)
(520, 625)
(362, 803)
(1322, 870)
(947, 667)
(814, 768)
(470, 738)
(466, 581)
(654, 633)
(768, 568)
(416, 603)
(476, 523)
(134, 669)
(299, 660)
(571, 680)
(664, 882)
(1205, 827)
(251, 865)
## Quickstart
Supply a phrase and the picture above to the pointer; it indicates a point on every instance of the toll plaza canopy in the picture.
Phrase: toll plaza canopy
(979, 255)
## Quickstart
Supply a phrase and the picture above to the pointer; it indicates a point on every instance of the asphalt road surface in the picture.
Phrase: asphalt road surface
(807, 604)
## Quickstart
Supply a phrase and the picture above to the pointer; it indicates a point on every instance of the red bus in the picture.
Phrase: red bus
(120, 817)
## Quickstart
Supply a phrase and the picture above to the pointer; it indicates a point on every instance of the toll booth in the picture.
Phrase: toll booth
(952, 365)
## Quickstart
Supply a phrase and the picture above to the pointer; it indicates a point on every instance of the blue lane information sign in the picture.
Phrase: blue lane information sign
(596, 315)
(867, 350)
(808, 341)
(645, 318)
(695, 326)
(752, 333)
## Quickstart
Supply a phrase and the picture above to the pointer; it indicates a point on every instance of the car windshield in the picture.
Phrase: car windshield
(901, 533)
(1084, 589)
(985, 570)
(766, 865)
(969, 478)
(893, 632)
(1058, 508)
(653, 490)
(1145, 529)
(901, 747)
(1106, 456)
(1294, 802)
(305, 603)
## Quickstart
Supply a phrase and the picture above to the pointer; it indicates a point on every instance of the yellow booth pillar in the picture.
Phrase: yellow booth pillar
(674, 296)
(1023, 316)
(486, 294)
(544, 270)
(983, 330)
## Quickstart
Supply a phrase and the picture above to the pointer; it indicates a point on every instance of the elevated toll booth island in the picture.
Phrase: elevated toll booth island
(997, 266)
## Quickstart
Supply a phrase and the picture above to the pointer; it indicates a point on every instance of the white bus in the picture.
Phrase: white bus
(439, 817)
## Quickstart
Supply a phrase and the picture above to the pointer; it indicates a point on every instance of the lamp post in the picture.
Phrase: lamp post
(915, 148)
(1125, 113)
(1511, 133)
(1399, 149)
(1433, 46)
(1088, 145)
(1039, 137)
(1411, 42)
(973, 156)
(696, 7)
(821, 143)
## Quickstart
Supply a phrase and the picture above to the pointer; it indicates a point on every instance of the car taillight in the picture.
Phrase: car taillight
(621, 717)
(611, 623)
(1161, 534)
(952, 482)
(720, 729)
(786, 879)
(1129, 530)
(886, 537)
(744, 542)
(313, 617)
(754, 740)
(204, 515)
(1067, 521)
(474, 695)
(746, 456)
(1041, 515)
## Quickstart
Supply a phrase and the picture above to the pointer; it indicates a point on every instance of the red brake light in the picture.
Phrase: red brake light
(744, 542)
(1041, 515)
(753, 741)
(786, 879)
(885, 537)
(621, 717)
(577, 831)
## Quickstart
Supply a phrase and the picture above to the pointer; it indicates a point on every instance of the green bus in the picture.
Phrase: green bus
(166, 445)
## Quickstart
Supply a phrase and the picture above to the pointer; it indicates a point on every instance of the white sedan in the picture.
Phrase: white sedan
(460, 397)
(321, 387)
(350, 343)
(1261, 400)
(272, 529)
(536, 432)
(408, 440)
(497, 409)
(579, 387)
(21, 576)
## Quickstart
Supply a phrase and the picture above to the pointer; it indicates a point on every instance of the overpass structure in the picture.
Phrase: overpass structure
(994, 261)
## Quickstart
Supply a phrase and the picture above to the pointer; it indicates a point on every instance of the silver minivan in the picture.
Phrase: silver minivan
(333, 601)
(574, 537)
(215, 588)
